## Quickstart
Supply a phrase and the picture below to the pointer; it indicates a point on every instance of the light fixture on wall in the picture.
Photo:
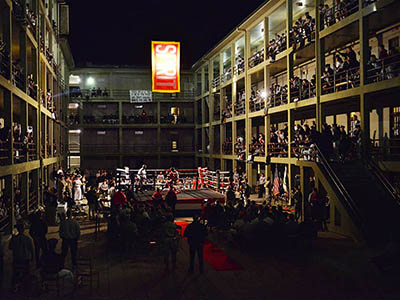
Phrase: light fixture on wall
(90, 81)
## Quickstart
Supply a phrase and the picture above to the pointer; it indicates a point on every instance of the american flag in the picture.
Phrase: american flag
(276, 183)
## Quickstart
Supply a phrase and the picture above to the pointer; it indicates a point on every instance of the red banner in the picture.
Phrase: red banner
(165, 67)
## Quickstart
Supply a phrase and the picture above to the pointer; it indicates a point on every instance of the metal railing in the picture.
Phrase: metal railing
(257, 58)
(125, 94)
(239, 69)
(347, 200)
(383, 69)
(343, 80)
(216, 82)
(394, 193)
(257, 104)
(240, 108)
(277, 149)
(278, 100)
(4, 63)
(227, 148)
(337, 13)
(302, 92)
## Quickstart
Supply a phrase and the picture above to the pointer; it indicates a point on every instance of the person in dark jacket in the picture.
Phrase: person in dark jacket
(171, 199)
(38, 231)
(196, 234)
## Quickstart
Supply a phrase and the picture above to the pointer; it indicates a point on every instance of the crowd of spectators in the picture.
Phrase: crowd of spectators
(98, 92)
(340, 9)
(23, 144)
(240, 105)
(257, 100)
(278, 95)
(386, 66)
(144, 118)
(303, 31)
(257, 147)
(239, 65)
(227, 111)
(276, 46)
(256, 58)
(240, 148)
(344, 75)
(301, 89)
(246, 223)
(333, 141)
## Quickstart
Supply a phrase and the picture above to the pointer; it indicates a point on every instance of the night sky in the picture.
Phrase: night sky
(120, 32)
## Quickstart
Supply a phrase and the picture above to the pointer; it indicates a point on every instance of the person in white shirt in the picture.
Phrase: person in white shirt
(78, 189)
(142, 173)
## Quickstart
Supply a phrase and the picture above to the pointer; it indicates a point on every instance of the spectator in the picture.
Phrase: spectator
(196, 234)
(23, 253)
(70, 233)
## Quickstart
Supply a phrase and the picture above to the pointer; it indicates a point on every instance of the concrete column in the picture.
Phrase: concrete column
(9, 193)
(25, 189)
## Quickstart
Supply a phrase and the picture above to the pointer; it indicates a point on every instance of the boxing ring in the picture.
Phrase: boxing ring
(193, 186)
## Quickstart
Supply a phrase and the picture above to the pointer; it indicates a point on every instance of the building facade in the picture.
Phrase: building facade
(34, 64)
(108, 129)
(308, 63)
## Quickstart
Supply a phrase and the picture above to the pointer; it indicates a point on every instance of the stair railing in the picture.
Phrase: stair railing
(383, 179)
(321, 160)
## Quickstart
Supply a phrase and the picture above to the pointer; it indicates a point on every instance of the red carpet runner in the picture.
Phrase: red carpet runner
(214, 256)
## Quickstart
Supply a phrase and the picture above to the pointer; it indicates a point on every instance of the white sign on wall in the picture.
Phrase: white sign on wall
(140, 96)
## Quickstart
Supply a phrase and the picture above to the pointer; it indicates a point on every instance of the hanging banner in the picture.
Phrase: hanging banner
(165, 67)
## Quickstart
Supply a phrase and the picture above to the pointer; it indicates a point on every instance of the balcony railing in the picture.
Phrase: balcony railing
(383, 69)
(133, 149)
(109, 119)
(341, 81)
(336, 13)
(216, 82)
(227, 148)
(240, 108)
(4, 61)
(139, 119)
(257, 58)
(124, 95)
(17, 78)
(4, 152)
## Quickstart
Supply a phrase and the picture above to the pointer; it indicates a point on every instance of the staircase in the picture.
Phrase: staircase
(374, 209)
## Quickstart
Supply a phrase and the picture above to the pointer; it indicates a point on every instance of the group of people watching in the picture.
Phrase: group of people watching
(339, 10)
(344, 75)
(240, 148)
(303, 31)
(142, 118)
(333, 141)
(257, 147)
(257, 100)
(278, 95)
(386, 66)
(301, 89)
(256, 58)
(227, 112)
(276, 46)
(240, 105)
(23, 144)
